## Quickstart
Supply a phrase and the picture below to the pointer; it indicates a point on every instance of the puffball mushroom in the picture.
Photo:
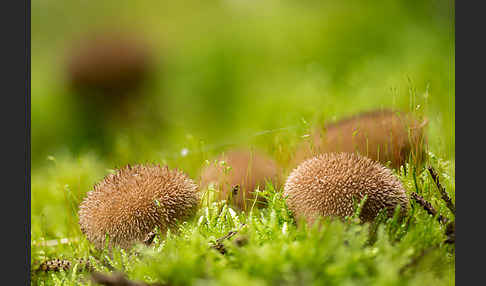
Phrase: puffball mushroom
(111, 62)
(382, 135)
(130, 203)
(247, 170)
(326, 185)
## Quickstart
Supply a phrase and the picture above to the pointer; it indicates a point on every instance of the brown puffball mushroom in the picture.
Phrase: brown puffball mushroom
(109, 63)
(247, 170)
(382, 135)
(326, 184)
(130, 203)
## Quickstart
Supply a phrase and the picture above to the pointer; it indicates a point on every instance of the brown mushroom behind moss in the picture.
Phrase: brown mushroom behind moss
(327, 184)
(247, 171)
(130, 203)
(382, 135)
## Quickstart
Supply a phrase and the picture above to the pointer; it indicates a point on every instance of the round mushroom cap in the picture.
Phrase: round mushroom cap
(382, 135)
(327, 184)
(132, 202)
(248, 171)
(111, 62)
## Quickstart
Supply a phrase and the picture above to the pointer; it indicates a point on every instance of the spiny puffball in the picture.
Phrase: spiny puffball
(248, 169)
(382, 135)
(130, 203)
(326, 184)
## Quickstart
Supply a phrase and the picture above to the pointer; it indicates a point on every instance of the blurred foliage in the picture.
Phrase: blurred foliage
(229, 69)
